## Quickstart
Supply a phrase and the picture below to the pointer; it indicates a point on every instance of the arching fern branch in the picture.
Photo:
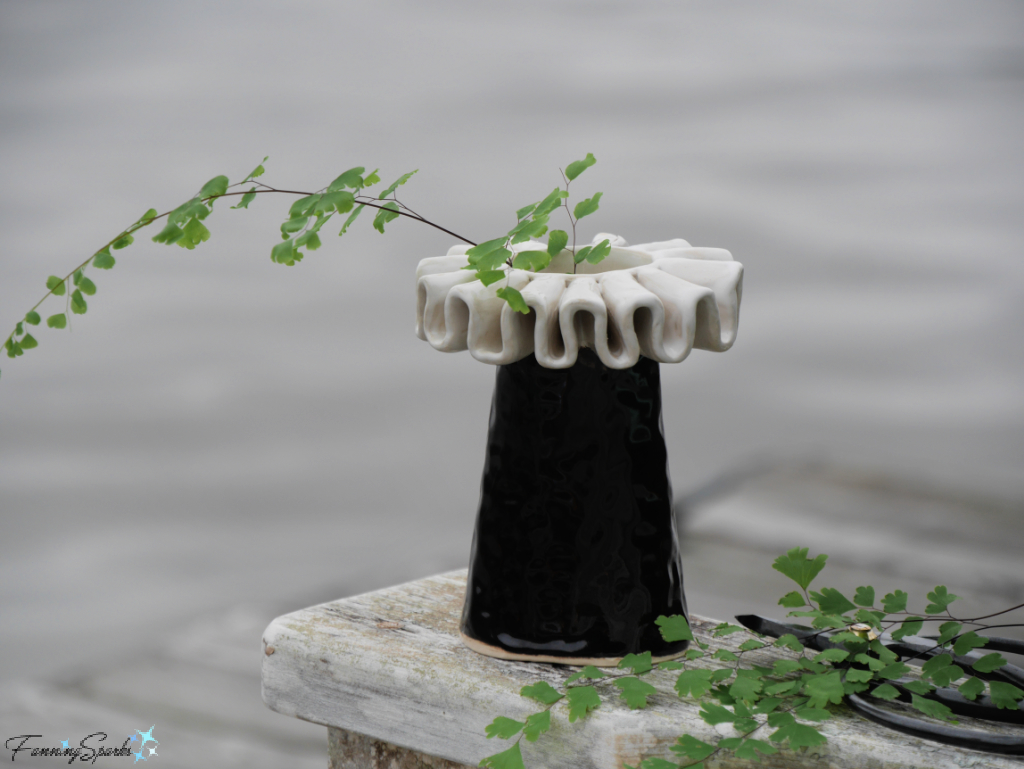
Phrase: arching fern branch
(300, 234)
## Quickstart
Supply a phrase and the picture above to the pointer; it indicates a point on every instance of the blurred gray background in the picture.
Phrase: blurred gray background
(223, 432)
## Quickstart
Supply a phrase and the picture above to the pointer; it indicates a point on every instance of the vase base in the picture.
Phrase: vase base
(600, 662)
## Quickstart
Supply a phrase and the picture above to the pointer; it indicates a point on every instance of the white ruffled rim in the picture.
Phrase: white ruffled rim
(659, 300)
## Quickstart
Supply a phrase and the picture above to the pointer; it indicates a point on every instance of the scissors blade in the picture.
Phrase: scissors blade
(950, 735)
(773, 627)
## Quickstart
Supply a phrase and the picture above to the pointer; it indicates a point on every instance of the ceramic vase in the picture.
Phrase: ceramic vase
(575, 552)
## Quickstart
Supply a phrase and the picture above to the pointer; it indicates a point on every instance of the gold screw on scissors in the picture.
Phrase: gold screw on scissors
(864, 630)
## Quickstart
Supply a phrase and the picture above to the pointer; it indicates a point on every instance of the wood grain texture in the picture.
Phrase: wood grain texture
(348, 750)
(389, 665)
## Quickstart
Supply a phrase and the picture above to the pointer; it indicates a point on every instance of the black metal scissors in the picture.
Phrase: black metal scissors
(923, 648)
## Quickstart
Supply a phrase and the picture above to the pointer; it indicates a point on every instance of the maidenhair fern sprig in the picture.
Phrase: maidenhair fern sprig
(186, 227)
(795, 693)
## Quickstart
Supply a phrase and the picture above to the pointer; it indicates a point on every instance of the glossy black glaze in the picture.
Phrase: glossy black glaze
(575, 551)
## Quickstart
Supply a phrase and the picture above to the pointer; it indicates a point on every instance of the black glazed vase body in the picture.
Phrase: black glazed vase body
(575, 553)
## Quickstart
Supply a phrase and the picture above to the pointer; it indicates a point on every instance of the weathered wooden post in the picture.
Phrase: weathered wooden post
(389, 677)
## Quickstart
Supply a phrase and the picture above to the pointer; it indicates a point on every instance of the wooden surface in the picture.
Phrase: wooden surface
(200, 684)
(389, 665)
(348, 750)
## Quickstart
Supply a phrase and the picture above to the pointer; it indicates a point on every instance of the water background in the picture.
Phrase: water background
(220, 430)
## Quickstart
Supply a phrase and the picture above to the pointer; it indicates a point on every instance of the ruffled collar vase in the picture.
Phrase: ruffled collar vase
(575, 552)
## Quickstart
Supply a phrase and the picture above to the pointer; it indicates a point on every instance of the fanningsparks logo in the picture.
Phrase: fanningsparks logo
(89, 748)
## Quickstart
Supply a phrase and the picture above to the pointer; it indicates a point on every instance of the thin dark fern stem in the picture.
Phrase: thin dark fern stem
(994, 614)
(954, 638)
(401, 205)
(266, 188)
(134, 228)
(565, 205)
(400, 212)
(948, 616)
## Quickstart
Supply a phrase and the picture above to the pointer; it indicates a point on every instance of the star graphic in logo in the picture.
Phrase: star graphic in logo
(132, 738)
(64, 744)
(147, 736)
(138, 756)
(152, 752)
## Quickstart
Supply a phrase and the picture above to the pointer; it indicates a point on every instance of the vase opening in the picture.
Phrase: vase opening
(618, 259)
